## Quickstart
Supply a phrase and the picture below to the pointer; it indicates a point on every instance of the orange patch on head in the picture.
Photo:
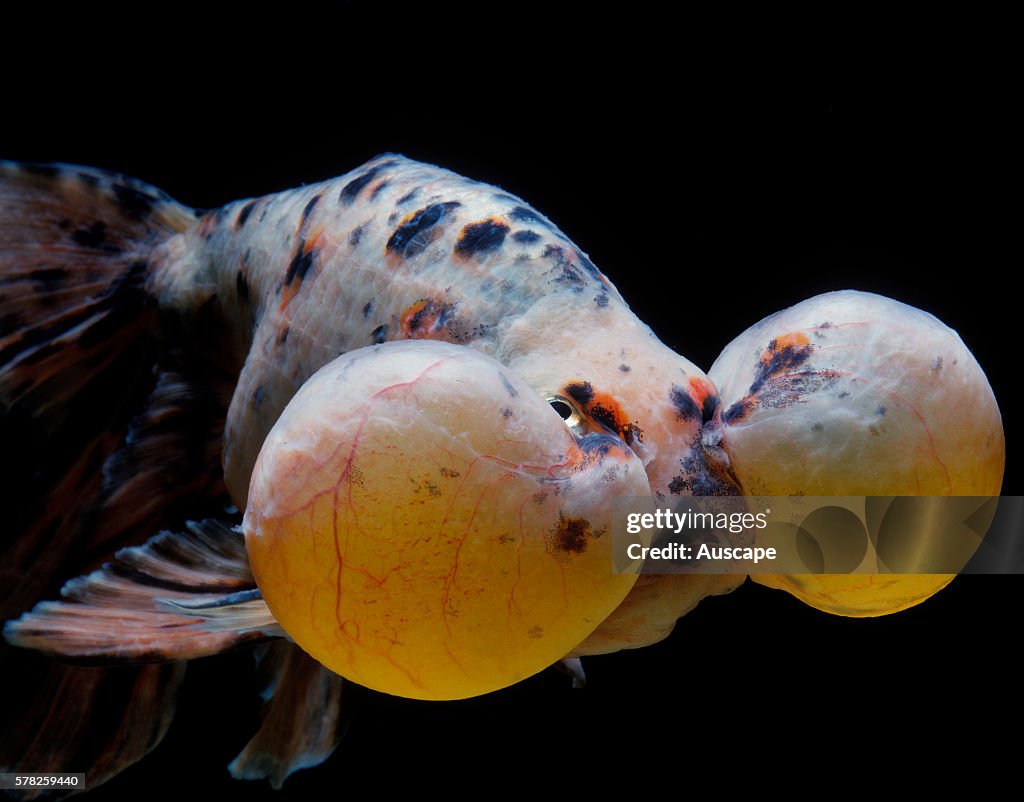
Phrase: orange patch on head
(605, 409)
(793, 342)
(795, 339)
(700, 389)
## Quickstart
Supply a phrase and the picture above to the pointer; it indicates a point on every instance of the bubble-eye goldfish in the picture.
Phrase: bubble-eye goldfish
(424, 398)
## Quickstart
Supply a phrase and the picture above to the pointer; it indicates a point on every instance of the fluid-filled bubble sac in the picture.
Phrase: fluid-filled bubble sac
(850, 393)
(422, 522)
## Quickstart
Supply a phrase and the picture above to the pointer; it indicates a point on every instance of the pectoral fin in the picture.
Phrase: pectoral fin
(178, 597)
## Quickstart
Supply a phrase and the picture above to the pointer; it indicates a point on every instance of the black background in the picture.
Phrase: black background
(710, 202)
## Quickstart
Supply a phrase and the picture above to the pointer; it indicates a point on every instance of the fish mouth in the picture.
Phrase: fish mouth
(716, 458)
(704, 467)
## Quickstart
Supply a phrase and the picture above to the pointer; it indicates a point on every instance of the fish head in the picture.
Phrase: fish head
(604, 371)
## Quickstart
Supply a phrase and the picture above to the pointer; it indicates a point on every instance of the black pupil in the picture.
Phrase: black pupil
(562, 408)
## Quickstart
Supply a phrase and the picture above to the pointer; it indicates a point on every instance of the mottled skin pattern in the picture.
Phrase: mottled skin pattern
(397, 249)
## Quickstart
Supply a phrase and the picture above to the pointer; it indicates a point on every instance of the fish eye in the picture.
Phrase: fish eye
(566, 410)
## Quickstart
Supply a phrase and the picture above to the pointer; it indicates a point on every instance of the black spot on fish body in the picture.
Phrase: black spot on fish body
(580, 392)
(92, 237)
(429, 315)
(604, 416)
(686, 408)
(355, 186)
(413, 236)
(506, 412)
(678, 485)
(625, 368)
(244, 212)
(133, 202)
(521, 214)
(601, 299)
(791, 388)
(258, 396)
(367, 308)
(242, 288)
(569, 536)
(780, 361)
(565, 271)
(408, 196)
(300, 265)
(737, 411)
(352, 189)
(526, 237)
(818, 427)
(379, 334)
(355, 235)
(480, 238)
(309, 209)
(880, 411)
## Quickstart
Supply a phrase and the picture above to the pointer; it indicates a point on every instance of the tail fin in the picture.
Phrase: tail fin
(76, 347)
(107, 434)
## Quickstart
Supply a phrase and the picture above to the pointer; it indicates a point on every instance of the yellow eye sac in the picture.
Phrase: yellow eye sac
(567, 410)
(421, 524)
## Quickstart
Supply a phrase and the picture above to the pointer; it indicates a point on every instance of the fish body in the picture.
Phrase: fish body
(176, 360)
(157, 346)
